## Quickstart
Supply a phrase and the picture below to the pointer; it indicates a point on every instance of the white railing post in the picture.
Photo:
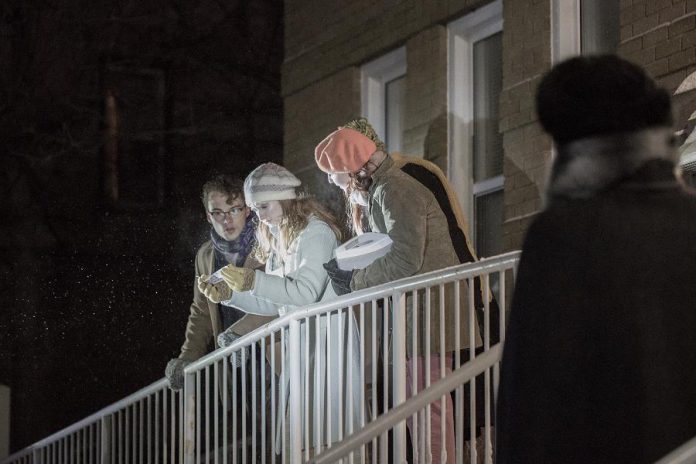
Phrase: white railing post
(36, 456)
(399, 371)
(189, 418)
(105, 440)
(295, 406)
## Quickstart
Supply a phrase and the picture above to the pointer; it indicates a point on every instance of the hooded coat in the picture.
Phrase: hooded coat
(599, 363)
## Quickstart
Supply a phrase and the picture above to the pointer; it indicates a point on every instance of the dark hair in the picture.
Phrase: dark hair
(230, 186)
(599, 95)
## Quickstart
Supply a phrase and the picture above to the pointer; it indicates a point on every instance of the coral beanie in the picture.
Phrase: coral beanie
(270, 182)
(344, 151)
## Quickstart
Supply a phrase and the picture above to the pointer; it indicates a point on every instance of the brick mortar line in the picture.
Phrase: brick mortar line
(521, 217)
(517, 84)
(669, 23)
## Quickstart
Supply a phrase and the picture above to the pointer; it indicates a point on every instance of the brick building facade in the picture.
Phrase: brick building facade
(332, 49)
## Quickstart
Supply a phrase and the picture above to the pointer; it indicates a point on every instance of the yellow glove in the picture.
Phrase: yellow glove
(239, 279)
(214, 292)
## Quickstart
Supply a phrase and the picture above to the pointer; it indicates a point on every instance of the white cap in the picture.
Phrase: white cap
(270, 182)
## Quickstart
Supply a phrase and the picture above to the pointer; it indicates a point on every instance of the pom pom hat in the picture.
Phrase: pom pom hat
(344, 151)
(270, 182)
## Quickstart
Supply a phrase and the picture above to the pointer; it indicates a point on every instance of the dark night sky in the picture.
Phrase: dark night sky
(99, 233)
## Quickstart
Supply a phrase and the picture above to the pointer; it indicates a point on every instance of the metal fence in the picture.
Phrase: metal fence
(417, 407)
(145, 427)
(303, 383)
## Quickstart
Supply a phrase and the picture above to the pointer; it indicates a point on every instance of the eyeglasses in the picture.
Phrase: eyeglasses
(220, 215)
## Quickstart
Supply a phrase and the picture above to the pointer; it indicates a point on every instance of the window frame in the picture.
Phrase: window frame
(374, 77)
(462, 34)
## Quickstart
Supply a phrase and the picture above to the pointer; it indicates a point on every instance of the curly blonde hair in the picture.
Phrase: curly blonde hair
(296, 215)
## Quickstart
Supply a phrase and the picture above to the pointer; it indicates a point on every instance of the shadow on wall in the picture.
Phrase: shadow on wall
(525, 164)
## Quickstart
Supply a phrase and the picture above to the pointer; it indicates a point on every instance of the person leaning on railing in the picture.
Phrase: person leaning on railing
(232, 239)
(296, 236)
(402, 207)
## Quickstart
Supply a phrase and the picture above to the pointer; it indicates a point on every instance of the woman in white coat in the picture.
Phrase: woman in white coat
(296, 236)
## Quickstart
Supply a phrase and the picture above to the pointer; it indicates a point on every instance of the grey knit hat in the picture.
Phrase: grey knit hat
(270, 182)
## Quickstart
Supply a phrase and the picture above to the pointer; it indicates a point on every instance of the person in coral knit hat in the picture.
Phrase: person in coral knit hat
(399, 205)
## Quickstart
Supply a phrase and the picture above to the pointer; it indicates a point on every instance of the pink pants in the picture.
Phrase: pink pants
(435, 408)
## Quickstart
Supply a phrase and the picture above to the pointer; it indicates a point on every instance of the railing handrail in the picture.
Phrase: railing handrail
(414, 404)
(445, 275)
(91, 419)
(685, 454)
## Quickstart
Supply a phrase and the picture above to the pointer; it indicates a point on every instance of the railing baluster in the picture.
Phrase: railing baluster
(216, 396)
(306, 384)
(254, 399)
(399, 367)
(459, 395)
(294, 346)
(472, 383)
(361, 374)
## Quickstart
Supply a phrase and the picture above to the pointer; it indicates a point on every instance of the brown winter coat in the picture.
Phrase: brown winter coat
(204, 323)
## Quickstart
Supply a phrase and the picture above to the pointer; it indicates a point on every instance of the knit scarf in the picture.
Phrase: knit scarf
(241, 246)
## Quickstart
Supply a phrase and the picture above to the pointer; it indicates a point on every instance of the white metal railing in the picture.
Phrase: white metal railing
(145, 427)
(685, 454)
(415, 405)
(311, 378)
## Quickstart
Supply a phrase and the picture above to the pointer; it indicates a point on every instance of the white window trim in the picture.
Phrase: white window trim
(565, 29)
(374, 76)
(488, 186)
(463, 33)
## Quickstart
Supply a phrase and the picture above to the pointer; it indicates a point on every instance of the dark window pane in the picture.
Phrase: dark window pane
(599, 26)
(489, 222)
(488, 80)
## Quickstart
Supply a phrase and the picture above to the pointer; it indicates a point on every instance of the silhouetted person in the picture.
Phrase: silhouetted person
(600, 360)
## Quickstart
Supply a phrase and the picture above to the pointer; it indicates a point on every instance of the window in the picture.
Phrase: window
(475, 162)
(384, 96)
(585, 27)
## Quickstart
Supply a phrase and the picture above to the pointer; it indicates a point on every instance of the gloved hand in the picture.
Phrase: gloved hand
(239, 279)
(174, 373)
(340, 279)
(214, 292)
(225, 339)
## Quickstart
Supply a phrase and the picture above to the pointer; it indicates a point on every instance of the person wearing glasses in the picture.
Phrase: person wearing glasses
(296, 236)
(399, 203)
(232, 239)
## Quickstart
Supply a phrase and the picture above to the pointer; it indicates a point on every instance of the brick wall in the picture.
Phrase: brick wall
(526, 56)
(326, 42)
(425, 131)
(660, 35)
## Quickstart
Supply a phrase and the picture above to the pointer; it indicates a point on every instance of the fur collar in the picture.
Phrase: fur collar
(588, 166)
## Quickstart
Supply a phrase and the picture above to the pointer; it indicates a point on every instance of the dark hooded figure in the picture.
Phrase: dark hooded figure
(600, 360)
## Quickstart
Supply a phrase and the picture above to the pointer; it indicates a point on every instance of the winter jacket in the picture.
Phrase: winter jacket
(599, 361)
(409, 212)
(204, 324)
(295, 281)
